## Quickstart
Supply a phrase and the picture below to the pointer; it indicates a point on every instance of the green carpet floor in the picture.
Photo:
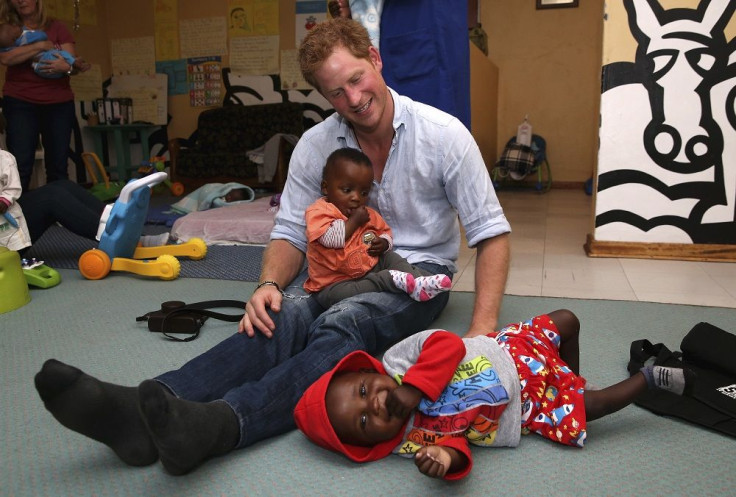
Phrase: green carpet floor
(91, 324)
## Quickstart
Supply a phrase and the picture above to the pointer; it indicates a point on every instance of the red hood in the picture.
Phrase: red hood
(311, 418)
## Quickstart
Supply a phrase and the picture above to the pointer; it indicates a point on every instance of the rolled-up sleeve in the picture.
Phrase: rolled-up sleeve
(470, 189)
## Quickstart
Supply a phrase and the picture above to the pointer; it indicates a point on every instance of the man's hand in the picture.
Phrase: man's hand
(433, 461)
(402, 400)
(378, 246)
(281, 263)
(256, 315)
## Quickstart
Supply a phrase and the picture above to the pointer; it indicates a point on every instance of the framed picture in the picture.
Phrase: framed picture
(556, 4)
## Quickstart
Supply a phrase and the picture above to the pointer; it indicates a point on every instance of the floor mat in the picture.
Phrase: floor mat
(59, 248)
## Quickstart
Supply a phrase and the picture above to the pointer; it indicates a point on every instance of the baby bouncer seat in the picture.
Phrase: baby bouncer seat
(519, 161)
(119, 250)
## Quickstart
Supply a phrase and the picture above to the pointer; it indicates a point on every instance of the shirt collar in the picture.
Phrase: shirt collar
(345, 131)
(399, 111)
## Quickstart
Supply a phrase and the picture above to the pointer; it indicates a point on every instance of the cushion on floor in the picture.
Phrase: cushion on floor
(243, 223)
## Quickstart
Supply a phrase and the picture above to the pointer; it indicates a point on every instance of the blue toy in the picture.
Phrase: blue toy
(118, 249)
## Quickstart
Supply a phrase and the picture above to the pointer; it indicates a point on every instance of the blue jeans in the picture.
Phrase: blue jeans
(25, 122)
(262, 379)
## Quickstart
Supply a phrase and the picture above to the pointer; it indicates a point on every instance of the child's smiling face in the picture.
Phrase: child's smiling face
(356, 407)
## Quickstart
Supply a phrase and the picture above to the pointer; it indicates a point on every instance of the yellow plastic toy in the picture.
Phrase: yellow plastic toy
(102, 187)
(119, 248)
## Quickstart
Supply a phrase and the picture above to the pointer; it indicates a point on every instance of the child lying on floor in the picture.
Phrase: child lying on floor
(435, 392)
(214, 195)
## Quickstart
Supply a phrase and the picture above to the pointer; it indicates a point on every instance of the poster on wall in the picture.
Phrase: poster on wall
(148, 93)
(291, 75)
(203, 37)
(308, 14)
(253, 18)
(176, 72)
(666, 172)
(133, 55)
(88, 85)
(204, 75)
(166, 27)
(254, 55)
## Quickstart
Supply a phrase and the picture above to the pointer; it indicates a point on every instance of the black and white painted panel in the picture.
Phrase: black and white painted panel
(256, 90)
(667, 159)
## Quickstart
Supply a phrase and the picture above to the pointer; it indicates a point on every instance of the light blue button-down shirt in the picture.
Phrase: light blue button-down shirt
(434, 176)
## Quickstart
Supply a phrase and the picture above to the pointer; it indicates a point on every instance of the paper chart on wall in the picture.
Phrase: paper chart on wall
(88, 85)
(254, 55)
(133, 56)
(148, 92)
(291, 75)
(166, 27)
(204, 75)
(203, 37)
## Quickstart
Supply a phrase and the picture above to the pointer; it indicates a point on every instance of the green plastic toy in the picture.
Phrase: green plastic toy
(42, 276)
(13, 287)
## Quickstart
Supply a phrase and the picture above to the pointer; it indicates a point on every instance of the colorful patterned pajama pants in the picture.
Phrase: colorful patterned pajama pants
(552, 399)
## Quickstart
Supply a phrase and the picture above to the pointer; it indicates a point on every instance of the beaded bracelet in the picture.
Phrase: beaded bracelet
(264, 283)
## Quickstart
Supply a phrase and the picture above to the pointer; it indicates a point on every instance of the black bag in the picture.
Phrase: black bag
(710, 353)
(176, 317)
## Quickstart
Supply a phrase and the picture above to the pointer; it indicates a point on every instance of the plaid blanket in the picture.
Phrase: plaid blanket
(517, 160)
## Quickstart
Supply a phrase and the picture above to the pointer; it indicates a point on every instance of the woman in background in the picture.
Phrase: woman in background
(35, 105)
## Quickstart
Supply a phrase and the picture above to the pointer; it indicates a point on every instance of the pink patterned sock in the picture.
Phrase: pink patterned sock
(427, 287)
(403, 281)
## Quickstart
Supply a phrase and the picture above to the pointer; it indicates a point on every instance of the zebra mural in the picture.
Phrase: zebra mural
(667, 159)
(255, 90)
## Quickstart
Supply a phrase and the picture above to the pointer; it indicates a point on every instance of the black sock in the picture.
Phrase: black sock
(101, 411)
(186, 433)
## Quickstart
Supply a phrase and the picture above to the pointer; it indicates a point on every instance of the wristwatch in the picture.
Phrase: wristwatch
(69, 72)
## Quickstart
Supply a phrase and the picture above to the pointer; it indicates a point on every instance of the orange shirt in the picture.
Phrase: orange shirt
(330, 265)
